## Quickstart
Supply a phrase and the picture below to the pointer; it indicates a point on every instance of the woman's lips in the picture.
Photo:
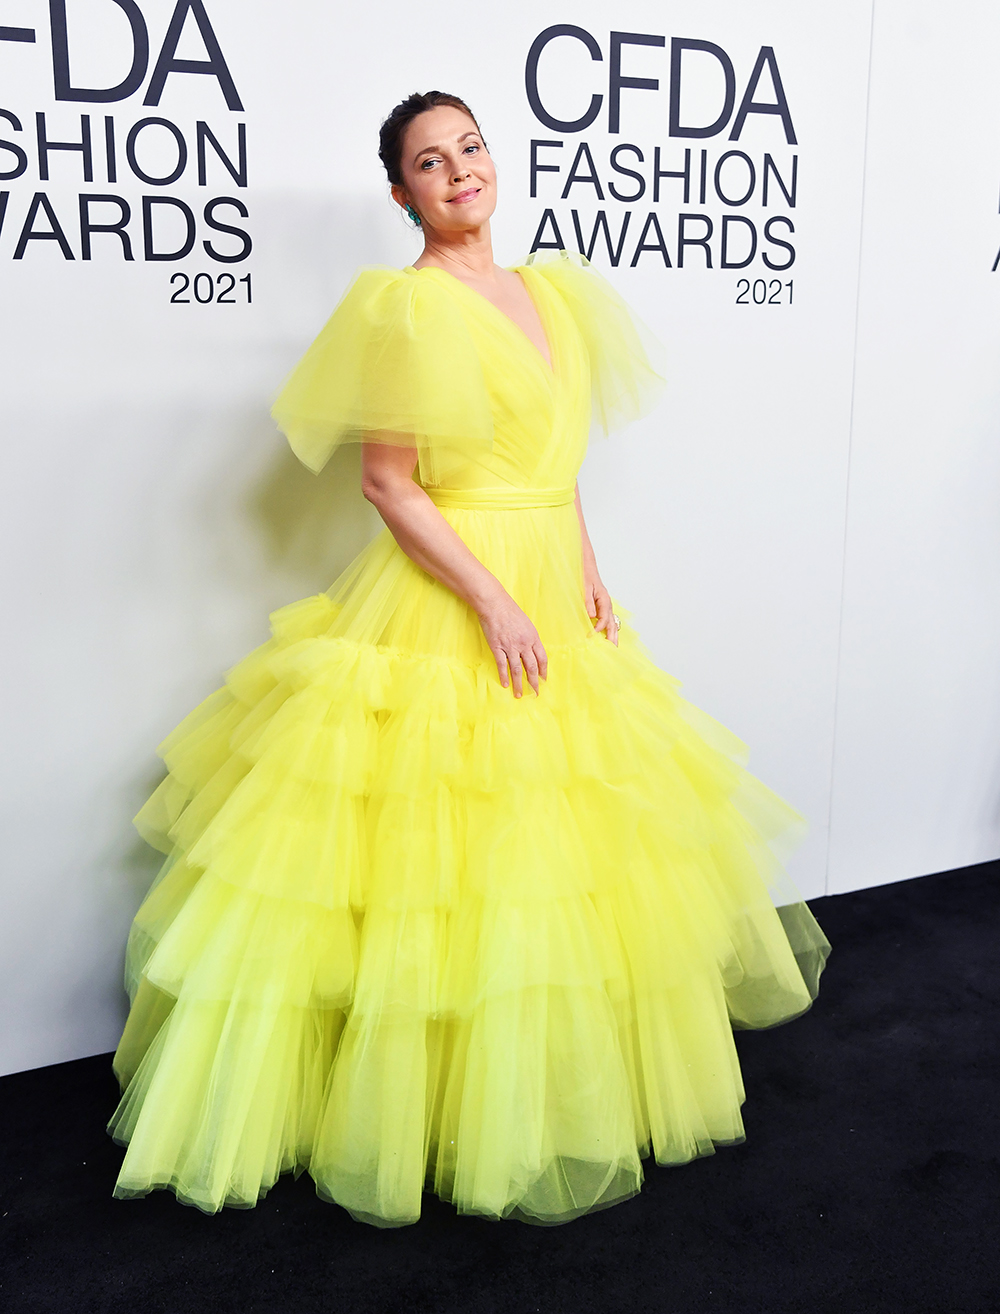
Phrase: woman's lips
(467, 195)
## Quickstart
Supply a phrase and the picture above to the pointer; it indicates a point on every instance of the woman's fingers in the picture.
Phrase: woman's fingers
(501, 661)
(543, 660)
(515, 673)
(516, 648)
(606, 617)
(530, 663)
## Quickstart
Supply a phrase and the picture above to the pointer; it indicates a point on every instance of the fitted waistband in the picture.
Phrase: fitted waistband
(500, 499)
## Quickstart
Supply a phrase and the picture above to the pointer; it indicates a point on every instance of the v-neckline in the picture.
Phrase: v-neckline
(547, 365)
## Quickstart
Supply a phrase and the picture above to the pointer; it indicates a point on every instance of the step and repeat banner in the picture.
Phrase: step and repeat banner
(187, 187)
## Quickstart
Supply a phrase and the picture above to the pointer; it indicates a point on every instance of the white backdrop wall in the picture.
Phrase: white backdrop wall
(917, 759)
(805, 532)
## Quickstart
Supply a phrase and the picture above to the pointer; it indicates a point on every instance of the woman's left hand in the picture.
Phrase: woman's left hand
(598, 601)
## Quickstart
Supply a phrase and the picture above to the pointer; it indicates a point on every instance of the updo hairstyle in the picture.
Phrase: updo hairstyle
(390, 136)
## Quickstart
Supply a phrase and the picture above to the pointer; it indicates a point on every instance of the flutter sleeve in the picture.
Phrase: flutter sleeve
(626, 359)
(394, 364)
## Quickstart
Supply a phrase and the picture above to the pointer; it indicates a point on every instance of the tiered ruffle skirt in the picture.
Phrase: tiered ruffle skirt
(413, 933)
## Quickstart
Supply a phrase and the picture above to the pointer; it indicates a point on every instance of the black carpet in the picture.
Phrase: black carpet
(869, 1180)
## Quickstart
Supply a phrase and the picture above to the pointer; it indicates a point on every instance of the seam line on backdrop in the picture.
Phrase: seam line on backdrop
(850, 452)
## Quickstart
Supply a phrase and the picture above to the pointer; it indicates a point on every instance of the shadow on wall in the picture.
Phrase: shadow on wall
(136, 862)
(313, 525)
(287, 533)
(195, 521)
(308, 528)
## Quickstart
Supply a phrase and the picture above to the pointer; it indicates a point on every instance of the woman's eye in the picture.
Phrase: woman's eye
(472, 147)
(428, 163)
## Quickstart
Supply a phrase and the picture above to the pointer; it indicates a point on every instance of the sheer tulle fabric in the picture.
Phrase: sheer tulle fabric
(393, 363)
(411, 932)
(396, 363)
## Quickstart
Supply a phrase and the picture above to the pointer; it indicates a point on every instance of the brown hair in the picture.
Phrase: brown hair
(390, 136)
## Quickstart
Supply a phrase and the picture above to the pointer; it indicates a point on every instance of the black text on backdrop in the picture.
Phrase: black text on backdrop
(112, 150)
(645, 189)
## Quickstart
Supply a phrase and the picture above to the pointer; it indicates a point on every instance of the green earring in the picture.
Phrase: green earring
(413, 214)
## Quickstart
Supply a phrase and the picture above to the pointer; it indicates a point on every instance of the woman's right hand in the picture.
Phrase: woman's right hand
(434, 545)
(515, 644)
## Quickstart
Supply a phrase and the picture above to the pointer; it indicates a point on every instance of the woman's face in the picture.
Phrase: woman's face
(448, 176)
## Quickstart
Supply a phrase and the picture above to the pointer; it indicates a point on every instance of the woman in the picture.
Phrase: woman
(459, 891)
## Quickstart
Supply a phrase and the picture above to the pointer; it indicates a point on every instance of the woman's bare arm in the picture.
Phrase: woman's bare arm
(427, 539)
(595, 595)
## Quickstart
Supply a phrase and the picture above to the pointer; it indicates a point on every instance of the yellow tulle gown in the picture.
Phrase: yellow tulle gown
(411, 932)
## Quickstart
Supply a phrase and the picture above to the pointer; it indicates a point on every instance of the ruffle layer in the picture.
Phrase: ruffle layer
(413, 931)
(626, 359)
(384, 369)
(416, 358)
